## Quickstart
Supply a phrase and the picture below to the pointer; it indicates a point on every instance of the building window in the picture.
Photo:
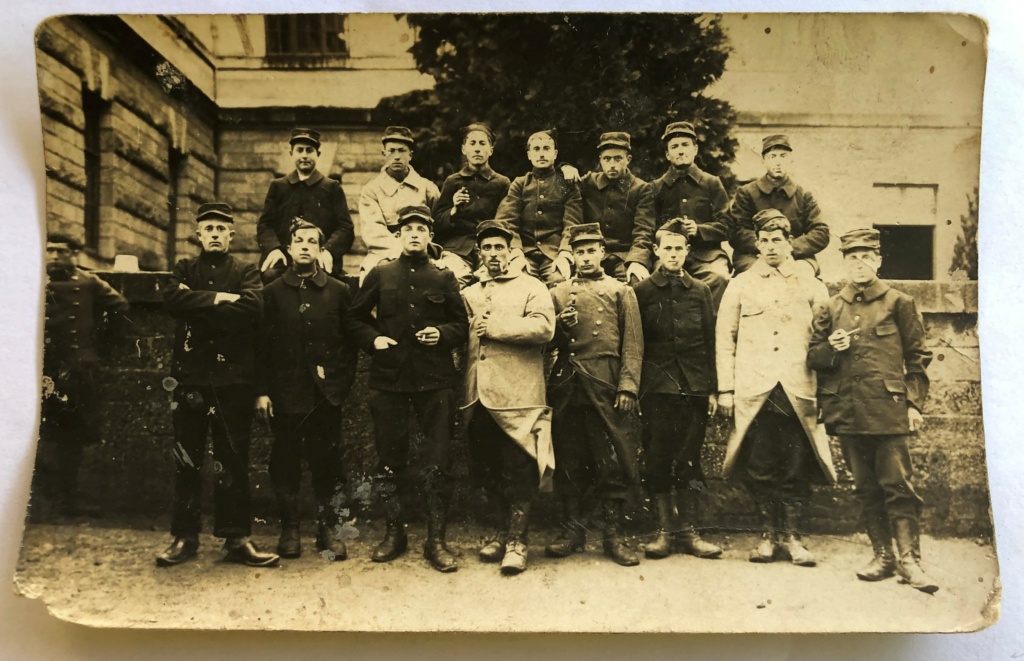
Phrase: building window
(93, 107)
(302, 38)
(907, 215)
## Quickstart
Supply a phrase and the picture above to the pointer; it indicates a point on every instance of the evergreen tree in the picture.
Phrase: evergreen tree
(965, 252)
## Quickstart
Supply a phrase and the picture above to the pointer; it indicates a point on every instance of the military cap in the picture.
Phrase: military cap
(679, 128)
(614, 140)
(547, 133)
(770, 220)
(771, 142)
(418, 212)
(305, 135)
(675, 226)
(67, 239)
(494, 228)
(213, 211)
(398, 134)
(865, 238)
(477, 126)
(585, 232)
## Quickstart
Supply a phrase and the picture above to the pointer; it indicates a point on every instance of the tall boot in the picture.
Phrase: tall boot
(328, 541)
(661, 547)
(791, 518)
(434, 549)
(395, 540)
(769, 545)
(574, 535)
(883, 564)
(494, 550)
(688, 540)
(908, 539)
(514, 561)
(290, 543)
(614, 545)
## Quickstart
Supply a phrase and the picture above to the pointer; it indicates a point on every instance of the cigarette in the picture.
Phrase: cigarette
(852, 331)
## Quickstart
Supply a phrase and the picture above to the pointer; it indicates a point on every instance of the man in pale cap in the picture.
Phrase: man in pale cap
(622, 204)
(397, 186)
(698, 199)
(305, 192)
(761, 338)
(777, 190)
(869, 350)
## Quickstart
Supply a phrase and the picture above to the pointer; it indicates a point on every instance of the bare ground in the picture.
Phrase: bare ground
(107, 577)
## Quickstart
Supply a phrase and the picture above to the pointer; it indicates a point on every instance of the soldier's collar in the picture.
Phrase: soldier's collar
(661, 278)
(674, 174)
(767, 185)
(509, 274)
(293, 279)
(313, 179)
(390, 186)
(602, 181)
(786, 268)
(873, 291)
(487, 172)
(418, 258)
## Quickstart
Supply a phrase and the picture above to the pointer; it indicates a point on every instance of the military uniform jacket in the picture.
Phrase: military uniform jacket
(81, 312)
(319, 200)
(695, 194)
(625, 210)
(810, 233)
(679, 335)
(410, 293)
(457, 233)
(214, 345)
(379, 202)
(867, 388)
(540, 206)
(307, 354)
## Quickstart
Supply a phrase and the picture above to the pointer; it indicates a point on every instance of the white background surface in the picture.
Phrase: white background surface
(27, 632)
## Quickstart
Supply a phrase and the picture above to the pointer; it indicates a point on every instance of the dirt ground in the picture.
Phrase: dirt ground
(107, 577)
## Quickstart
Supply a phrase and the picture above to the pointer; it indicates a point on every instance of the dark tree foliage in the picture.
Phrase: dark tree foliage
(965, 252)
(582, 74)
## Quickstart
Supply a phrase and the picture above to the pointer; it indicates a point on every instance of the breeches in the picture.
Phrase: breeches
(586, 460)
(882, 472)
(674, 427)
(501, 464)
(777, 458)
(315, 436)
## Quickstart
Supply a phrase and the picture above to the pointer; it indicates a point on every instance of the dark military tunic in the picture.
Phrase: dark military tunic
(540, 206)
(810, 233)
(694, 194)
(486, 188)
(625, 211)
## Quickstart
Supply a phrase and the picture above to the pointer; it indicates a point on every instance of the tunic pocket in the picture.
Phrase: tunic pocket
(896, 389)
(884, 329)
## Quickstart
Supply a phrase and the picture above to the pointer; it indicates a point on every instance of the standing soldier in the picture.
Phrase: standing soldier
(468, 197)
(623, 205)
(83, 313)
(593, 391)
(304, 192)
(698, 199)
(776, 190)
(761, 341)
(542, 206)
(677, 392)
(420, 319)
(397, 186)
(307, 365)
(511, 321)
(868, 349)
(217, 302)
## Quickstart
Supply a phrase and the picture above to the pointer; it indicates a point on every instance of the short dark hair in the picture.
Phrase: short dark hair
(662, 233)
(300, 223)
(59, 237)
(774, 228)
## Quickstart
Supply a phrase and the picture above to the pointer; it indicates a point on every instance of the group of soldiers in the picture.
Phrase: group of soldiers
(582, 329)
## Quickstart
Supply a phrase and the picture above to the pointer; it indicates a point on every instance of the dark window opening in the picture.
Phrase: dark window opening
(300, 38)
(908, 252)
(175, 163)
(93, 107)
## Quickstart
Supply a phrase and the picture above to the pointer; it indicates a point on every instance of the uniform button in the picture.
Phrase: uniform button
(860, 298)
(412, 286)
(572, 354)
(598, 322)
(542, 196)
(412, 305)
(412, 270)
(776, 348)
(685, 200)
(483, 357)
(600, 309)
(74, 332)
(856, 317)
(71, 316)
(74, 346)
(856, 337)
(540, 213)
(595, 333)
(210, 282)
(76, 303)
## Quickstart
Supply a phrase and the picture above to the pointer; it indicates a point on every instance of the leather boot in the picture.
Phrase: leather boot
(181, 550)
(687, 539)
(394, 544)
(791, 544)
(661, 546)
(908, 540)
(290, 543)
(614, 545)
(244, 552)
(494, 550)
(514, 561)
(328, 544)
(883, 564)
(434, 549)
(574, 535)
(769, 545)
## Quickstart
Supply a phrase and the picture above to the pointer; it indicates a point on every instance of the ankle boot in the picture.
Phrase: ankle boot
(328, 544)
(394, 543)
(687, 539)
(614, 544)
(290, 543)
(908, 539)
(494, 550)
(574, 535)
(514, 561)
(791, 544)
(661, 546)
(883, 564)
(434, 549)
(769, 546)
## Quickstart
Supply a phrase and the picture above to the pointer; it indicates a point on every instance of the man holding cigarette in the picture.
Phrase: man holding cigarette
(868, 348)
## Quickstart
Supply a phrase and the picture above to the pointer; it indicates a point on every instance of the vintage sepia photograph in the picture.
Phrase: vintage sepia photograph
(548, 322)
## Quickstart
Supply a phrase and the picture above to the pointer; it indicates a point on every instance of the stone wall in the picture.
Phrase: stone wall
(130, 472)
